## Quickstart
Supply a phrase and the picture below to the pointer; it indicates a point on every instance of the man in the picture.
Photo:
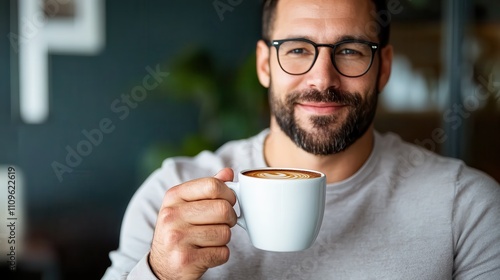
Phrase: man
(393, 210)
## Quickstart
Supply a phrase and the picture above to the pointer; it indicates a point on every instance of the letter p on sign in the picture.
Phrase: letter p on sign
(42, 32)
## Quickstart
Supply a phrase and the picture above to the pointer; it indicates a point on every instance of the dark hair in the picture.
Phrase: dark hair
(269, 15)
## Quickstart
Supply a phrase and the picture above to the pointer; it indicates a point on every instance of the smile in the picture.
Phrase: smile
(320, 108)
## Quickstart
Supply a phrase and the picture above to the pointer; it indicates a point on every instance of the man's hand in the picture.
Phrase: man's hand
(193, 228)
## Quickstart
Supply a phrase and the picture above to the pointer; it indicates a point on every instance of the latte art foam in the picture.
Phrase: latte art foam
(282, 174)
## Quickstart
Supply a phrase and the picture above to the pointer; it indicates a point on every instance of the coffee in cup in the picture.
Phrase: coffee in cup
(281, 174)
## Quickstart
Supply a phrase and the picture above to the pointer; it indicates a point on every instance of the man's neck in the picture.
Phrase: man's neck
(280, 151)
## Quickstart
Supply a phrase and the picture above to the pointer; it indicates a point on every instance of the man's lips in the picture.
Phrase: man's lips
(320, 108)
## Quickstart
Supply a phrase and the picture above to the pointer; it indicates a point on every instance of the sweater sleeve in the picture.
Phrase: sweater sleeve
(141, 271)
(476, 226)
(129, 261)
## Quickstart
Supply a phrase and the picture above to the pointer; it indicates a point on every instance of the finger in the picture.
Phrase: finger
(208, 236)
(191, 263)
(207, 212)
(200, 189)
(195, 236)
(209, 257)
(225, 175)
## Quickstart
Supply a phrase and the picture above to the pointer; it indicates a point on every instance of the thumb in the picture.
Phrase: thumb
(225, 175)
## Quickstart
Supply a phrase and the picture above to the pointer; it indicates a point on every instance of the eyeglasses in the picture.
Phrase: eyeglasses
(351, 58)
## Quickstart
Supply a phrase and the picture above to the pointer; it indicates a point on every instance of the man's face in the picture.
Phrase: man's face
(322, 111)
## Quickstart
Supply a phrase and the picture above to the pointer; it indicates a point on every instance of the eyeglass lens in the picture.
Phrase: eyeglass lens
(350, 58)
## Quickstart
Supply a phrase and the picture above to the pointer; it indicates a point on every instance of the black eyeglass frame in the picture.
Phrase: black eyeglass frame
(277, 43)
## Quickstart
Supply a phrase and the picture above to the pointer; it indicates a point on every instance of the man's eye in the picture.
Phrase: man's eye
(349, 52)
(297, 51)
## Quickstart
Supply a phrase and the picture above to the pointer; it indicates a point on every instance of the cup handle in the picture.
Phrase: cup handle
(235, 187)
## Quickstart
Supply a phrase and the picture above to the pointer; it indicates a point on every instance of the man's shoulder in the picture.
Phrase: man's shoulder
(236, 154)
(393, 147)
(412, 161)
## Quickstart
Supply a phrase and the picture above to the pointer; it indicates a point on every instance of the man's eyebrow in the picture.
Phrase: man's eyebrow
(355, 37)
(339, 39)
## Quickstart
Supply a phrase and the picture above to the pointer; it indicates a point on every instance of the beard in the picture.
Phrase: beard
(330, 134)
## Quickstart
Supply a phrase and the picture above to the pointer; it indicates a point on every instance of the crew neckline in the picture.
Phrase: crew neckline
(351, 182)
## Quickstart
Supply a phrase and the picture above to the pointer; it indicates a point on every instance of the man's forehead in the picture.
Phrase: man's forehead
(331, 18)
(324, 8)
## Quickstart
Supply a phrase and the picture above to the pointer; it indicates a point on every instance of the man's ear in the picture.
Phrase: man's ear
(385, 66)
(263, 71)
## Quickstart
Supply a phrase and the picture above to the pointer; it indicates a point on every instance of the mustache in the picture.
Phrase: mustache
(326, 96)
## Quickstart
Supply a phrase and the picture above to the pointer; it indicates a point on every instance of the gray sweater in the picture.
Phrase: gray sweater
(406, 214)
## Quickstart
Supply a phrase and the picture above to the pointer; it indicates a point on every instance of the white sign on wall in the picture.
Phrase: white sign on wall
(52, 26)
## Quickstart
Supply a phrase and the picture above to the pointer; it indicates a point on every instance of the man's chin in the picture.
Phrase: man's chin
(322, 124)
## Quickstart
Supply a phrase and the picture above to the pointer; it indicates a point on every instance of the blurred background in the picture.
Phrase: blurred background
(95, 94)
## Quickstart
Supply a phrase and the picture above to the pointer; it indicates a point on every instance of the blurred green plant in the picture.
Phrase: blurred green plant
(232, 104)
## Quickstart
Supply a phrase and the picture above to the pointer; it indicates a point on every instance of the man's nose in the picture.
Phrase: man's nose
(323, 74)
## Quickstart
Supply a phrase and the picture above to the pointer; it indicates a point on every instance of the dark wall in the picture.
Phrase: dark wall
(79, 217)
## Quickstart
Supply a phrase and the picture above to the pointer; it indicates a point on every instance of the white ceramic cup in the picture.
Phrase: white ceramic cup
(280, 214)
